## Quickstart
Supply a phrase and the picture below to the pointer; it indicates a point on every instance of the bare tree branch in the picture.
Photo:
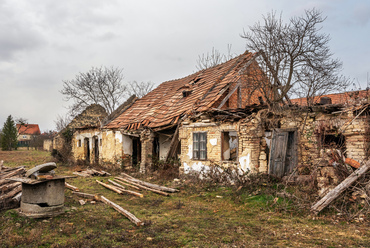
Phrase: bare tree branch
(214, 58)
(296, 58)
(139, 89)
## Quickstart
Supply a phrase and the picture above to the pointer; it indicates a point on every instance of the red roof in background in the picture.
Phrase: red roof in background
(350, 97)
(28, 129)
(169, 101)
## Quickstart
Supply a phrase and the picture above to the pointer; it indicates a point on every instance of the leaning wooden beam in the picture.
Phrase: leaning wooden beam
(151, 185)
(126, 213)
(334, 193)
(110, 187)
(71, 187)
(146, 188)
(11, 193)
(228, 95)
(130, 185)
(125, 190)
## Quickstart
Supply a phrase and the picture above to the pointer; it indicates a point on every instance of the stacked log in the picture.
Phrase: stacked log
(10, 191)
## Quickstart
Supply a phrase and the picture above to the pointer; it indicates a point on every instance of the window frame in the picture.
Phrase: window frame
(200, 146)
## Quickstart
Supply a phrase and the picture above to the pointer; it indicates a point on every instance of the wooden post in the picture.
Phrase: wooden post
(334, 193)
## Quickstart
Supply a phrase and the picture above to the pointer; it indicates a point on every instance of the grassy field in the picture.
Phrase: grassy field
(200, 215)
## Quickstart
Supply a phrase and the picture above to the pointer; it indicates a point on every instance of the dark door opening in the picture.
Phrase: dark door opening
(96, 150)
(155, 149)
(87, 150)
(283, 155)
(136, 151)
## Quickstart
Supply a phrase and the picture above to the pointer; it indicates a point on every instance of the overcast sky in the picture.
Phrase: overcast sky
(43, 42)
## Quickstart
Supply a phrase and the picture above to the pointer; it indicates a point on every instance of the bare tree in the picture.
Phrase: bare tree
(20, 120)
(102, 86)
(295, 57)
(139, 89)
(214, 58)
(62, 121)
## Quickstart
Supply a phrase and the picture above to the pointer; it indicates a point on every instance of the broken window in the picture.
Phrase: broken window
(333, 141)
(229, 146)
(200, 146)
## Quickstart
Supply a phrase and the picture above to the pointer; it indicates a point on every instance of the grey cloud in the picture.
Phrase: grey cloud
(361, 13)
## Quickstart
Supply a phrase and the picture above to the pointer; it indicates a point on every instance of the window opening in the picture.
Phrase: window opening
(200, 146)
(229, 146)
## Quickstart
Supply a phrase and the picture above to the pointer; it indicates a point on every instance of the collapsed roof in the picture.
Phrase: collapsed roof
(171, 100)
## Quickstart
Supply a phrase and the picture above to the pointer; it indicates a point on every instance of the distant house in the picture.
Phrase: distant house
(27, 133)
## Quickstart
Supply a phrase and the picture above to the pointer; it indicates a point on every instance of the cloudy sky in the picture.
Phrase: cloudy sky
(43, 42)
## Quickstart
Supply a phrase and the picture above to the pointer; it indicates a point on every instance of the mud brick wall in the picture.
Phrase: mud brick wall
(111, 153)
(213, 143)
(146, 139)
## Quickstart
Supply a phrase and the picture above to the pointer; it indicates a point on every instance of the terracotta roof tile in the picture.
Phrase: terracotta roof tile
(165, 104)
(28, 129)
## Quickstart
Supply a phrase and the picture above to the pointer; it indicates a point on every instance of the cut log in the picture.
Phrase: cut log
(1, 165)
(5, 169)
(82, 174)
(17, 197)
(116, 184)
(151, 185)
(9, 186)
(86, 195)
(126, 213)
(11, 193)
(130, 185)
(146, 188)
(125, 190)
(334, 193)
(110, 187)
(13, 173)
(71, 187)
(106, 173)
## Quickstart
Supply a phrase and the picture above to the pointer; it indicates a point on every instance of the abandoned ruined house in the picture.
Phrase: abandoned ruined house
(150, 129)
(27, 133)
(278, 142)
(86, 132)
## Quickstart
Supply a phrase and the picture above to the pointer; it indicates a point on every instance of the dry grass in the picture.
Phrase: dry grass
(198, 216)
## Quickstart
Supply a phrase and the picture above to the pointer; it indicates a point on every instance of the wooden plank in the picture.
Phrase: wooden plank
(127, 184)
(126, 213)
(86, 195)
(146, 188)
(229, 95)
(71, 187)
(334, 193)
(151, 185)
(109, 187)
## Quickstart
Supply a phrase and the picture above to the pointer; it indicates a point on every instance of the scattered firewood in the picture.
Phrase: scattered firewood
(81, 174)
(127, 184)
(82, 202)
(125, 190)
(86, 195)
(110, 187)
(12, 173)
(92, 172)
(116, 184)
(334, 193)
(126, 213)
(9, 186)
(11, 193)
(146, 188)
(71, 187)
(150, 185)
